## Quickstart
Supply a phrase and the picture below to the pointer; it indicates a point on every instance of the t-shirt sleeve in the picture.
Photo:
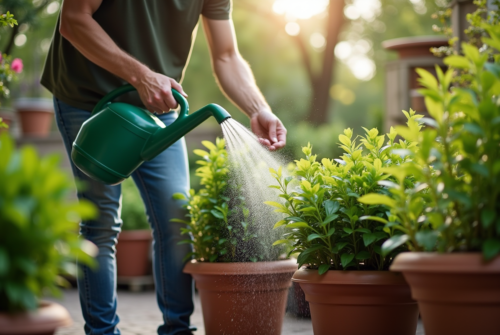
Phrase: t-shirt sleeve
(217, 9)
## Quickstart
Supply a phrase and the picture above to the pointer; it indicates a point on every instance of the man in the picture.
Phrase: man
(103, 44)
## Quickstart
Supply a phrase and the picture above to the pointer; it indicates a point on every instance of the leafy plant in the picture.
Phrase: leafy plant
(324, 221)
(133, 212)
(455, 205)
(220, 226)
(39, 227)
(8, 68)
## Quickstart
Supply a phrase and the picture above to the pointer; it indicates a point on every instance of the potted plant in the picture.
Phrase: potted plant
(39, 239)
(133, 250)
(338, 239)
(242, 284)
(450, 220)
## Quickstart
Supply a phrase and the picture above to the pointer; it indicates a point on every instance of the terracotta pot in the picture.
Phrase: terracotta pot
(457, 294)
(35, 116)
(43, 321)
(359, 302)
(243, 298)
(132, 253)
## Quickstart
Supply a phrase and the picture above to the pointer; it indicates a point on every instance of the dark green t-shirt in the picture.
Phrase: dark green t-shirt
(158, 33)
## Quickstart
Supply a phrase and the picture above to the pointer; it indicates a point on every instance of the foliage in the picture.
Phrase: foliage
(7, 19)
(323, 138)
(39, 226)
(8, 68)
(3, 124)
(475, 32)
(456, 205)
(324, 221)
(220, 226)
(133, 212)
(8, 71)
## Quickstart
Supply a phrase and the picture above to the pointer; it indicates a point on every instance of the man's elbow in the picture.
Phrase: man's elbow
(65, 28)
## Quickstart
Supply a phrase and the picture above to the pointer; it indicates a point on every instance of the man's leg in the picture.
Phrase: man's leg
(97, 287)
(157, 181)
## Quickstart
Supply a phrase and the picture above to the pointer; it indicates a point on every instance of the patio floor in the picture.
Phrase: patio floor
(139, 315)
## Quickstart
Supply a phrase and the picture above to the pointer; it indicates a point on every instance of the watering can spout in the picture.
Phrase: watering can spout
(165, 137)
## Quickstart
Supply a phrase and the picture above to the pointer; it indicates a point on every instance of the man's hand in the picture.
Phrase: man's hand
(155, 91)
(269, 129)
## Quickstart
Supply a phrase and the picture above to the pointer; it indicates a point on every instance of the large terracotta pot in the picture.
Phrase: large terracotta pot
(132, 253)
(43, 321)
(35, 116)
(359, 302)
(457, 294)
(243, 298)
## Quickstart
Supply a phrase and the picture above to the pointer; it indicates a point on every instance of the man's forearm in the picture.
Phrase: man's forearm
(94, 43)
(238, 83)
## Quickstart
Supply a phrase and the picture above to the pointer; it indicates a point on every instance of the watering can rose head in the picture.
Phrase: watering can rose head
(119, 137)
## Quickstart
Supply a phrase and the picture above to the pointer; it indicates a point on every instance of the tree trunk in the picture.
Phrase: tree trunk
(320, 101)
(10, 44)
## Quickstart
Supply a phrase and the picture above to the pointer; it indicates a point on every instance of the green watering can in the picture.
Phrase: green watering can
(119, 137)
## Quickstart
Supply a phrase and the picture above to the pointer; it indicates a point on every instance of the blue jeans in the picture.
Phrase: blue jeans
(157, 180)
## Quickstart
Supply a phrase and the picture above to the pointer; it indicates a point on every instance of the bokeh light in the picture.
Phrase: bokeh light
(20, 40)
(300, 9)
(292, 28)
(317, 40)
(53, 7)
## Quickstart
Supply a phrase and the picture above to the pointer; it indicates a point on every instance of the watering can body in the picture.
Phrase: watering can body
(119, 137)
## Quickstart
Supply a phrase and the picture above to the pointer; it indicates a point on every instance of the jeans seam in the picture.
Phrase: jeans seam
(160, 261)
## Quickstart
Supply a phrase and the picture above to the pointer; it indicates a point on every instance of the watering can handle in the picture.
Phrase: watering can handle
(129, 88)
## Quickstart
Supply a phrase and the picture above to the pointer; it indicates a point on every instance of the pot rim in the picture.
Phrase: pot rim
(342, 277)
(47, 317)
(34, 105)
(243, 268)
(466, 262)
(135, 234)
(414, 42)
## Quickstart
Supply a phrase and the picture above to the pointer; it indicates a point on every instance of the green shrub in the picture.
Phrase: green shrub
(39, 227)
(324, 222)
(456, 204)
(220, 226)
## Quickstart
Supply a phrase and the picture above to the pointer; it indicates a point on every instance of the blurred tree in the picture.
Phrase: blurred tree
(320, 78)
(27, 13)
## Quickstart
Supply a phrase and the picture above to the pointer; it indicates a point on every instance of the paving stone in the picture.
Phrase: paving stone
(139, 315)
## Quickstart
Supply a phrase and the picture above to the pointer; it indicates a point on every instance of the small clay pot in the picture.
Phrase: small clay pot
(133, 253)
(43, 321)
(359, 302)
(243, 298)
(35, 116)
(457, 294)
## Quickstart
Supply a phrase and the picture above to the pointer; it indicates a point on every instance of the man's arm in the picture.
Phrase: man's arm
(237, 82)
(85, 34)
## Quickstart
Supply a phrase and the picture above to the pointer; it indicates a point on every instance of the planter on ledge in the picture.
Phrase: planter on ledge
(359, 302)
(35, 116)
(43, 321)
(243, 298)
(457, 294)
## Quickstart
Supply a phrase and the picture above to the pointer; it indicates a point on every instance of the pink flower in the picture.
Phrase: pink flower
(17, 65)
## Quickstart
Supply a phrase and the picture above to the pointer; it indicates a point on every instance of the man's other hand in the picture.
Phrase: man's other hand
(269, 129)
